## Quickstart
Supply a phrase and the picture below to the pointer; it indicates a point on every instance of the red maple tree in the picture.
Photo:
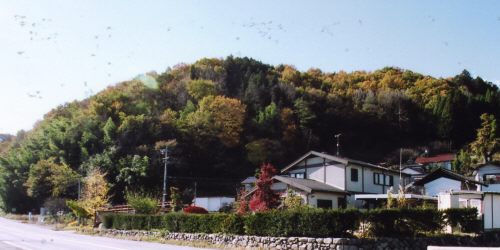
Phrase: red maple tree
(264, 198)
(242, 208)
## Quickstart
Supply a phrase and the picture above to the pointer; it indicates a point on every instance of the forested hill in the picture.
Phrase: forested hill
(229, 115)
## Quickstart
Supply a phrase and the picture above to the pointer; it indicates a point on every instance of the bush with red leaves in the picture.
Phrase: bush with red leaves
(194, 210)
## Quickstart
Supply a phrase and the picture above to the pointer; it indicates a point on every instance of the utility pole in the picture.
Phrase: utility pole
(338, 143)
(195, 190)
(79, 189)
(400, 167)
(165, 160)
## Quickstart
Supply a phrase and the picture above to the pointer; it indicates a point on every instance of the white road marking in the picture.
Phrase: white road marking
(16, 245)
(99, 246)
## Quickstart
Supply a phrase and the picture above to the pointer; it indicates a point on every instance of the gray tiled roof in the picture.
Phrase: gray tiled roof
(308, 185)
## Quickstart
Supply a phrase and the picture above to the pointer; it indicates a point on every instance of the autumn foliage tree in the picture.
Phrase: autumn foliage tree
(264, 198)
(95, 192)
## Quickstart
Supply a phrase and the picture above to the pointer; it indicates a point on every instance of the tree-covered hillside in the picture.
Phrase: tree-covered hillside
(228, 116)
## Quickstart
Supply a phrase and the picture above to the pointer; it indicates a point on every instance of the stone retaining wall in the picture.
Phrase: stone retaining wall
(240, 241)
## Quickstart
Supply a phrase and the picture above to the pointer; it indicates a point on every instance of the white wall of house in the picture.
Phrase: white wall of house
(213, 204)
(487, 170)
(335, 175)
(313, 198)
(442, 184)
(316, 173)
(354, 186)
(372, 188)
(491, 211)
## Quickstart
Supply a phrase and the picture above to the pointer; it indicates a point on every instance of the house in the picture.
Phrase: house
(248, 183)
(416, 171)
(489, 174)
(437, 161)
(442, 180)
(328, 181)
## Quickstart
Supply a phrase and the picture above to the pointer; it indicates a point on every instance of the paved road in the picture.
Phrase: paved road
(19, 236)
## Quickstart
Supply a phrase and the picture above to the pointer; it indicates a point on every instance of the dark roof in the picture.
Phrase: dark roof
(493, 163)
(342, 160)
(309, 185)
(441, 172)
(417, 168)
(437, 158)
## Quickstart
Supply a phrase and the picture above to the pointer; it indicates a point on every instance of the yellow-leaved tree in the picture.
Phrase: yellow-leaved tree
(220, 116)
(95, 192)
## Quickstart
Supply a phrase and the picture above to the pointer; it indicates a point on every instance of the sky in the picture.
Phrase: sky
(57, 51)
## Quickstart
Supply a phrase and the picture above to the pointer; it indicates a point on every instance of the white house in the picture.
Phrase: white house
(328, 181)
(442, 180)
(489, 174)
(213, 204)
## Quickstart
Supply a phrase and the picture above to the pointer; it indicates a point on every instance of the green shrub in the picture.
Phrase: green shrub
(403, 221)
(303, 222)
(142, 204)
(233, 224)
(464, 218)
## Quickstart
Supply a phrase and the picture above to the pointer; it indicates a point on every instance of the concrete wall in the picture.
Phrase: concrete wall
(225, 241)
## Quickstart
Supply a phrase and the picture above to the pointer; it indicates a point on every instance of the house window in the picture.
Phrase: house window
(378, 179)
(382, 179)
(354, 174)
(297, 175)
(491, 178)
(389, 180)
(324, 203)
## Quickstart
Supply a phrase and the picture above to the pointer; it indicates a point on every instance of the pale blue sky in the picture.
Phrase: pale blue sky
(52, 52)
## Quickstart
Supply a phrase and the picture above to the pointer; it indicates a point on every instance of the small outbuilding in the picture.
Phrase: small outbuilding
(213, 204)
(442, 180)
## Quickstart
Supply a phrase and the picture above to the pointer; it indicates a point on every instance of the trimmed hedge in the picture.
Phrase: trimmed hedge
(465, 218)
(309, 222)
(303, 222)
(407, 222)
(403, 222)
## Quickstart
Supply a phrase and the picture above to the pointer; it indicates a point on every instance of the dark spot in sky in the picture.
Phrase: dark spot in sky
(20, 52)
(238, 38)
(446, 44)
(360, 22)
